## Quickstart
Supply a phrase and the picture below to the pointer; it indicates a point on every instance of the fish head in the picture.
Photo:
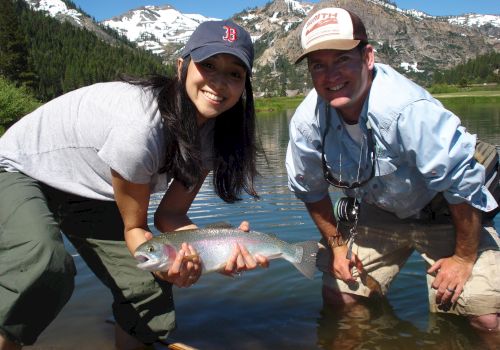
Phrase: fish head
(155, 256)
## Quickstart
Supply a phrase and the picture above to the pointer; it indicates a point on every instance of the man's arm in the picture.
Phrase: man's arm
(322, 214)
(452, 273)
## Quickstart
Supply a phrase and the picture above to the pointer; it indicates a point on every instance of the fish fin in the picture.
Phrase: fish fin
(221, 224)
(306, 263)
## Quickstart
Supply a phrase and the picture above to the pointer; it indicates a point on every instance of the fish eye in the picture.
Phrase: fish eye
(151, 249)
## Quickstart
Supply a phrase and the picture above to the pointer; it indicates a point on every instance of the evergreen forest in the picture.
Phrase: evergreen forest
(482, 69)
(48, 58)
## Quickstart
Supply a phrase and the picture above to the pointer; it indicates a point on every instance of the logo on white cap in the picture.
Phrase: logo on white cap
(331, 29)
(327, 25)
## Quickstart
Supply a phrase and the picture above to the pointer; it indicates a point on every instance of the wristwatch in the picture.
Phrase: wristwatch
(336, 241)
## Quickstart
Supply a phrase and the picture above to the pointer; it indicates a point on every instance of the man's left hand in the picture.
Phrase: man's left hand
(451, 275)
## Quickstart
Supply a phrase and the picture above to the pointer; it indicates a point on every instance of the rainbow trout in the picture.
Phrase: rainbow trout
(215, 245)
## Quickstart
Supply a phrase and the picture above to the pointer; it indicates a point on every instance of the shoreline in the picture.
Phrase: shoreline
(272, 104)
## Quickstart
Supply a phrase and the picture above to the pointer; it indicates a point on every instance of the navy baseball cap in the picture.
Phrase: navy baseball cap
(215, 37)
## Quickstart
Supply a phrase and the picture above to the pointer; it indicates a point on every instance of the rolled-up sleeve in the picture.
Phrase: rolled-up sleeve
(303, 164)
(443, 152)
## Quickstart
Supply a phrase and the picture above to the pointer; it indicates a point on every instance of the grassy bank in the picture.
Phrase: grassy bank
(486, 94)
(269, 104)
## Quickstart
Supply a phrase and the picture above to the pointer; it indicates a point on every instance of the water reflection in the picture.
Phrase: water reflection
(479, 115)
(375, 325)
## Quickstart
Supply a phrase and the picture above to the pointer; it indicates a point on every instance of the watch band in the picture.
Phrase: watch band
(336, 241)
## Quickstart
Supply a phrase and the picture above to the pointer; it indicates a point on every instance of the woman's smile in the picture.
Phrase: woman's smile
(213, 97)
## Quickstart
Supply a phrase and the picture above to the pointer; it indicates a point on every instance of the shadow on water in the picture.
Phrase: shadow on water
(278, 308)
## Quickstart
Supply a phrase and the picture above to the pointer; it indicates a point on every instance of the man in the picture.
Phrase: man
(391, 146)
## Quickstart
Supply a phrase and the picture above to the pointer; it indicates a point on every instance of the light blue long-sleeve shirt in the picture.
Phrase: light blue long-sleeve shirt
(421, 149)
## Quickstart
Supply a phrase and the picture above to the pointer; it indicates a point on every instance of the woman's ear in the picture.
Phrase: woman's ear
(180, 61)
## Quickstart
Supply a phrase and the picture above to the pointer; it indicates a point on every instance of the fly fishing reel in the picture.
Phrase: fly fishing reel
(346, 210)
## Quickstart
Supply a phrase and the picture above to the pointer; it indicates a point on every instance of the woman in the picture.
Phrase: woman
(86, 164)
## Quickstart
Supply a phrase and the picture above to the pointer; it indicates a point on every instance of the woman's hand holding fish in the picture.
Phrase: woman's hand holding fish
(185, 270)
(241, 259)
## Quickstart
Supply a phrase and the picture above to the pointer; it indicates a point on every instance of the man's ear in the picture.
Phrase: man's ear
(180, 61)
(369, 56)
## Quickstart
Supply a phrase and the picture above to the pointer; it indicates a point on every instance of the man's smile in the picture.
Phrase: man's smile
(337, 87)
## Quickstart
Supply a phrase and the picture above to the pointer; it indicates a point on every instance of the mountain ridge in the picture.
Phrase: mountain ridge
(410, 40)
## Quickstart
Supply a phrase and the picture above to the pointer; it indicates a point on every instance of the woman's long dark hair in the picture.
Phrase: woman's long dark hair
(234, 165)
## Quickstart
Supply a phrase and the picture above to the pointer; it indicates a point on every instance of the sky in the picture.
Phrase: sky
(105, 9)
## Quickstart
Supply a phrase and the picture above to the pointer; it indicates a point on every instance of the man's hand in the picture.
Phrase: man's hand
(453, 272)
(341, 266)
(451, 275)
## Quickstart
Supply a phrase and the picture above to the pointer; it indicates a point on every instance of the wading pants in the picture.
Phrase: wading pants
(37, 273)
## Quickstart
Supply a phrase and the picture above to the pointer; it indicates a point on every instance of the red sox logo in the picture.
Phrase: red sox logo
(231, 34)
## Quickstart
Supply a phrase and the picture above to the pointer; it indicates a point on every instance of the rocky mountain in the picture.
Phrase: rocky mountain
(274, 28)
(155, 28)
(67, 12)
(409, 39)
(406, 39)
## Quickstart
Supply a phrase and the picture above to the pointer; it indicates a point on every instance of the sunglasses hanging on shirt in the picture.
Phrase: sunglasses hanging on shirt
(327, 173)
(346, 209)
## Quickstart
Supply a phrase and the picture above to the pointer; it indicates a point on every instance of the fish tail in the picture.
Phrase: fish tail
(306, 261)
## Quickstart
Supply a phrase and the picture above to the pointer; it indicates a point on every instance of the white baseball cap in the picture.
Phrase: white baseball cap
(331, 28)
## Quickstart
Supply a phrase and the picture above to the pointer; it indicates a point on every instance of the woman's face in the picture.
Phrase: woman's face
(215, 84)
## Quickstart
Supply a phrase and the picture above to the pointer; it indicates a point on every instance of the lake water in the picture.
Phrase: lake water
(278, 308)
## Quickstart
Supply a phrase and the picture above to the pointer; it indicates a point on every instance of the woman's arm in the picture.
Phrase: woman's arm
(171, 213)
(132, 201)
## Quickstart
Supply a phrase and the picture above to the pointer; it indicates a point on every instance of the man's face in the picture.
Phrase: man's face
(342, 78)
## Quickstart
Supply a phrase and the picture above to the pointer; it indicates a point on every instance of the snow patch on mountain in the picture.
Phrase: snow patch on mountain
(475, 20)
(155, 26)
(55, 8)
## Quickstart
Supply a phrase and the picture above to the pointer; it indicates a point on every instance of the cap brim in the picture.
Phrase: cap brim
(203, 52)
(337, 44)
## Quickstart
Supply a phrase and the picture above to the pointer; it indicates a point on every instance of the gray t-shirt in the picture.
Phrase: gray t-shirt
(71, 142)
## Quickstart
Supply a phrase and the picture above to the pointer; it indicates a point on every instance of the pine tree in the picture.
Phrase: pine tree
(66, 57)
(13, 51)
